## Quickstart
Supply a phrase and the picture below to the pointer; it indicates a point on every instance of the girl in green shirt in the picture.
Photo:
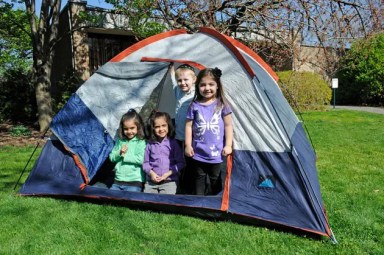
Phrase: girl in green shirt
(128, 154)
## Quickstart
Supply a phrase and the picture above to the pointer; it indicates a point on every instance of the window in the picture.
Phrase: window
(103, 47)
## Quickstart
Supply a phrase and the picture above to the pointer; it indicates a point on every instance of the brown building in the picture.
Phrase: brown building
(84, 46)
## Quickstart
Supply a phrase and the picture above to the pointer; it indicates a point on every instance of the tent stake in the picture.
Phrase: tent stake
(29, 160)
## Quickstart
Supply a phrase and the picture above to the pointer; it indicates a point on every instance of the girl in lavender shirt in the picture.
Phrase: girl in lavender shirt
(163, 157)
(208, 131)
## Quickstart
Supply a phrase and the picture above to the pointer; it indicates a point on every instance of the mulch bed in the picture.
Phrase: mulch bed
(7, 139)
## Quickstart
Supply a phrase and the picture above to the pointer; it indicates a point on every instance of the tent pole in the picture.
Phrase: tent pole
(299, 112)
(332, 237)
(37, 145)
(309, 187)
(280, 133)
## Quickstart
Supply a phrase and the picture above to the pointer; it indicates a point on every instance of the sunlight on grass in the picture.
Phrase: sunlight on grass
(349, 147)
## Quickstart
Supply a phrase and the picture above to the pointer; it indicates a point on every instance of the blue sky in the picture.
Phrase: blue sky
(96, 3)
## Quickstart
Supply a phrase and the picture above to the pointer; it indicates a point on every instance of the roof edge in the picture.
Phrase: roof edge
(255, 56)
(234, 44)
(229, 44)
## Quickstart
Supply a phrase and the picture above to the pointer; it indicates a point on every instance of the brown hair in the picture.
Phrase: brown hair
(215, 73)
(151, 122)
(132, 114)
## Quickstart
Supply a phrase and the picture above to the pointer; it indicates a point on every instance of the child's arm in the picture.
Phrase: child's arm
(178, 157)
(173, 76)
(115, 156)
(176, 160)
(188, 139)
(228, 130)
(147, 168)
(135, 155)
(146, 165)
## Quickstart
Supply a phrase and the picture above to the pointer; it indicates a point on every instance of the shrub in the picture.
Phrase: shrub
(361, 74)
(305, 90)
(64, 89)
(20, 130)
(17, 97)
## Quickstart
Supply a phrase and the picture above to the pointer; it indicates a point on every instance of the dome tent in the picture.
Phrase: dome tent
(271, 176)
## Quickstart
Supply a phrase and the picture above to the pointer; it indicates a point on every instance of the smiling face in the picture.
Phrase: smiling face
(160, 128)
(208, 88)
(129, 128)
(185, 79)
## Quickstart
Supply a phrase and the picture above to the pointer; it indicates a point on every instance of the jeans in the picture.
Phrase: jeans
(126, 188)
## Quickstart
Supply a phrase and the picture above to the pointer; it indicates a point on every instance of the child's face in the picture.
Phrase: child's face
(160, 127)
(129, 128)
(208, 88)
(185, 80)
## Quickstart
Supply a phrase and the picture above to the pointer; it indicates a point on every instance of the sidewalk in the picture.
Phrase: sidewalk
(379, 110)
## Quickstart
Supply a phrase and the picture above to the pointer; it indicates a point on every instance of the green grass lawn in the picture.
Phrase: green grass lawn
(350, 150)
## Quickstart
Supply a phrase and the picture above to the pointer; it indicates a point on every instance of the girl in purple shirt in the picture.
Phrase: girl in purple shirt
(163, 157)
(208, 131)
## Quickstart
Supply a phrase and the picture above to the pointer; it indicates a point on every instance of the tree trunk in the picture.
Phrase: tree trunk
(43, 98)
(44, 29)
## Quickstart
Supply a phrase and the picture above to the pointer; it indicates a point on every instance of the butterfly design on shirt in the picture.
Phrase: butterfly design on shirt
(212, 124)
(214, 151)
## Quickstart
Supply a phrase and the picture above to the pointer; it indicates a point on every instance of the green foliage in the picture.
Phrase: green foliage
(15, 40)
(17, 96)
(140, 18)
(64, 89)
(20, 130)
(351, 181)
(305, 90)
(17, 100)
(361, 77)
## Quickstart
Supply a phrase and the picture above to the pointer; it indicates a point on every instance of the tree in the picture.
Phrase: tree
(17, 101)
(140, 16)
(362, 73)
(44, 31)
(15, 42)
(276, 26)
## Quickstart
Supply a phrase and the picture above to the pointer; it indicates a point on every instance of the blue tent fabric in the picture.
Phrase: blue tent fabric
(81, 132)
(271, 176)
(62, 177)
(273, 204)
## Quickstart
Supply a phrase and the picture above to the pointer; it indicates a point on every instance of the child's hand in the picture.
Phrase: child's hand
(166, 175)
(172, 70)
(226, 150)
(123, 150)
(154, 177)
(189, 151)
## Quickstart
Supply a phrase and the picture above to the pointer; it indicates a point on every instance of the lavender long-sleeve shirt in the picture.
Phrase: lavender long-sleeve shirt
(162, 157)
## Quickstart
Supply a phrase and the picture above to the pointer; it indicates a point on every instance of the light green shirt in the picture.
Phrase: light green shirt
(129, 168)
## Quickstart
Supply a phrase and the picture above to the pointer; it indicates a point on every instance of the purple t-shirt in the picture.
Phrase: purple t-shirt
(162, 157)
(208, 130)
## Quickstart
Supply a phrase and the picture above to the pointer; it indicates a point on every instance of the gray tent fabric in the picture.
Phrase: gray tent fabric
(132, 85)
(271, 176)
